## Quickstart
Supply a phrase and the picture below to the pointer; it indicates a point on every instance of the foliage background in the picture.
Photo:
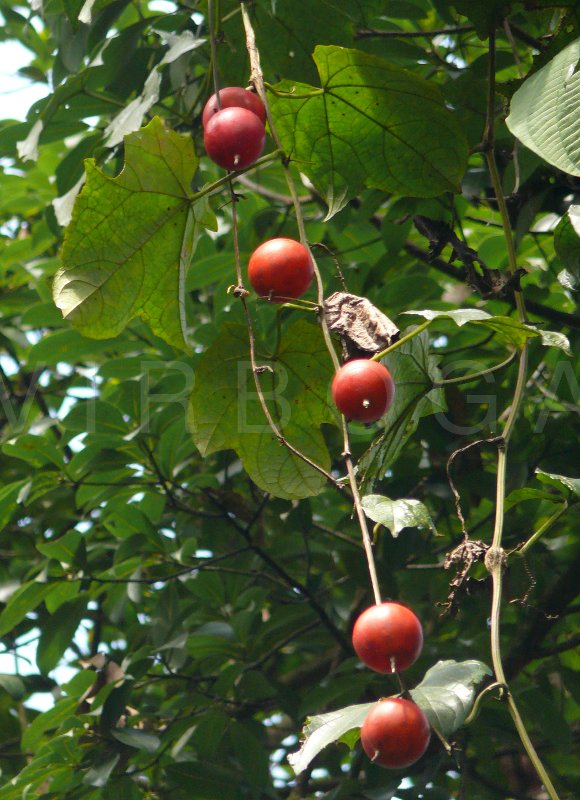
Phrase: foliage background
(145, 501)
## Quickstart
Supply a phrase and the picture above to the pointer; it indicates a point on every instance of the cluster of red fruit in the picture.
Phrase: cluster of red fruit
(388, 638)
(281, 269)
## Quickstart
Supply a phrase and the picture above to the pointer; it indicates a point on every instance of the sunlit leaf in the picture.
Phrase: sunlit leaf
(545, 111)
(370, 124)
(131, 240)
(397, 514)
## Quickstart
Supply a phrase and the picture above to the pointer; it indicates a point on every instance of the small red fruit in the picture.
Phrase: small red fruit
(280, 269)
(395, 733)
(233, 97)
(363, 390)
(234, 138)
(388, 637)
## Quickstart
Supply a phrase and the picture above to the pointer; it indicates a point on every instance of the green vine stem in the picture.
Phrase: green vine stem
(520, 551)
(496, 556)
(415, 332)
(475, 375)
(257, 79)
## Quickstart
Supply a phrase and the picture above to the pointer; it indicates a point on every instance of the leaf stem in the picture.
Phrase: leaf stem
(415, 332)
(520, 551)
(475, 375)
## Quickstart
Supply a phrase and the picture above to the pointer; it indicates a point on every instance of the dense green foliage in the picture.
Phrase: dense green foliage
(198, 568)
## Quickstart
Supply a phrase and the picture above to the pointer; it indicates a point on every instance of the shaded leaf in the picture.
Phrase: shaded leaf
(545, 111)
(567, 245)
(397, 514)
(225, 411)
(521, 495)
(485, 14)
(58, 633)
(414, 371)
(13, 685)
(141, 740)
(99, 773)
(8, 500)
(371, 124)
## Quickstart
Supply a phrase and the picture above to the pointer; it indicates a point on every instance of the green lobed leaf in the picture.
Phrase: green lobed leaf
(370, 124)
(414, 371)
(545, 111)
(397, 514)
(131, 240)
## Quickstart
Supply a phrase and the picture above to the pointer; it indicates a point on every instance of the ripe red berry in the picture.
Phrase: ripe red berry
(395, 733)
(388, 637)
(280, 269)
(363, 390)
(233, 97)
(234, 138)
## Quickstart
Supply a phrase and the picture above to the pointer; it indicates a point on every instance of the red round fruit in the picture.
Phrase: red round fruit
(234, 138)
(233, 97)
(280, 269)
(363, 390)
(395, 733)
(388, 637)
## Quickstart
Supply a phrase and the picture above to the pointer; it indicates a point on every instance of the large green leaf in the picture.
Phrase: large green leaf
(545, 111)
(131, 240)
(370, 124)
(225, 411)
